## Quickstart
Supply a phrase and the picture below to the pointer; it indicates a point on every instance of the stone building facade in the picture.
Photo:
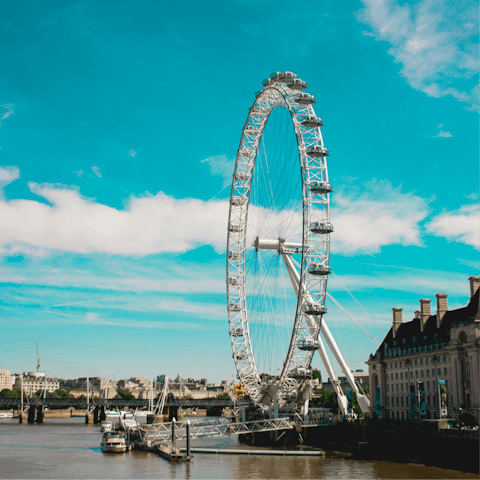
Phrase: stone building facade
(7, 380)
(429, 367)
(33, 383)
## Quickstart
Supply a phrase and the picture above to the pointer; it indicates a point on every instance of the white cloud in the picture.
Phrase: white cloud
(442, 134)
(9, 111)
(151, 224)
(365, 217)
(473, 196)
(433, 40)
(79, 173)
(132, 152)
(8, 175)
(96, 172)
(222, 166)
(462, 225)
(95, 319)
(376, 215)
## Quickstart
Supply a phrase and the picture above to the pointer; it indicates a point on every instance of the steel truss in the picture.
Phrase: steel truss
(161, 432)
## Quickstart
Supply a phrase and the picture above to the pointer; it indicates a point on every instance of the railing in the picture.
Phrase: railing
(161, 432)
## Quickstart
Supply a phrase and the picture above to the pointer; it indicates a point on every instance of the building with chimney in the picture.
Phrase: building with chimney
(429, 367)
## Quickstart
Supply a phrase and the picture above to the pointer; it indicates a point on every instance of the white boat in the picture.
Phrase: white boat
(144, 413)
(113, 442)
(106, 426)
(6, 415)
(112, 414)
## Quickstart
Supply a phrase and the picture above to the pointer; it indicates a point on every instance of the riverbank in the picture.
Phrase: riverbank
(401, 442)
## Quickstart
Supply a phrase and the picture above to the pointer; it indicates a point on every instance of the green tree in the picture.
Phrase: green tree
(62, 393)
(125, 395)
(223, 396)
(5, 393)
(317, 374)
(327, 399)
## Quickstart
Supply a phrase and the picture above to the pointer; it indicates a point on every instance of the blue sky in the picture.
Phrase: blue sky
(120, 123)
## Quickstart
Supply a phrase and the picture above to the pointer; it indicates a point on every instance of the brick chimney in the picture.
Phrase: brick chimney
(425, 312)
(397, 319)
(442, 307)
(474, 284)
(417, 313)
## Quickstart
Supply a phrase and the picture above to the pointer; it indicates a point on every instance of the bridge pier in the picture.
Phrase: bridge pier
(88, 418)
(31, 414)
(214, 411)
(103, 415)
(96, 415)
(40, 414)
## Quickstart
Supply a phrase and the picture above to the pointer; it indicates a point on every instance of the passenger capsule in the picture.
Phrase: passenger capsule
(245, 152)
(237, 332)
(301, 372)
(311, 121)
(317, 151)
(240, 356)
(238, 201)
(315, 309)
(282, 76)
(267, 82)
(243, 176)
(234, 307)
(234, 228)
(296, 84)
(258, 92)
(250, 130)
(315, 269)
(304, 98)
(233, 281)
(320, 187)
(321, 227)
(308, 344)
(232, 255)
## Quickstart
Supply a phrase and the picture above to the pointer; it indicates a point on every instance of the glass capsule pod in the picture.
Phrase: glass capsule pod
(308, 344)
(321, 227)
(311, 121)
(315, 309)
(320, 187)
(234, 228)
(304, 98)
(297, 84)
(316, 269)
(317, 151)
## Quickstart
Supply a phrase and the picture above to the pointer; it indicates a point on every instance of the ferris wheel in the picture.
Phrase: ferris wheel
(278, 242)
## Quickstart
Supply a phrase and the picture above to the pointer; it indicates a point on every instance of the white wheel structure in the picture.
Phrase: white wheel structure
(278, 232)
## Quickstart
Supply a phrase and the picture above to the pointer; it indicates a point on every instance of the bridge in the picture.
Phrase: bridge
(115, 403)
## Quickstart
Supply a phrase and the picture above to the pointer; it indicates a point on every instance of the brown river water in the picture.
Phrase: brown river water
(67, 448)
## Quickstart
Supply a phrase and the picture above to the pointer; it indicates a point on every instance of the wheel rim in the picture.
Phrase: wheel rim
(314, 249)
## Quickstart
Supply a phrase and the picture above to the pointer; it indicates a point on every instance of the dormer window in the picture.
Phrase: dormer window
(404, 341)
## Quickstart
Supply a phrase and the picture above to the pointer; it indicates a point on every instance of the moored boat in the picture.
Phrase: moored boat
(113, 442)
(106, 426)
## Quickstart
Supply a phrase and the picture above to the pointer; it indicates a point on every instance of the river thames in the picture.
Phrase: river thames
(67, 448)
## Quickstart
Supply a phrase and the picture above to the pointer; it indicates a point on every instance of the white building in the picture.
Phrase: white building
(34, 381)
(6, 380)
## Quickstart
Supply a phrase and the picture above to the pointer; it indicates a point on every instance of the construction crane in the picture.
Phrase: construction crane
(38, 358)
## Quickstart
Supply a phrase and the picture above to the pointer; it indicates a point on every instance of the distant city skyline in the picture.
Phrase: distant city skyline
(119, 130)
